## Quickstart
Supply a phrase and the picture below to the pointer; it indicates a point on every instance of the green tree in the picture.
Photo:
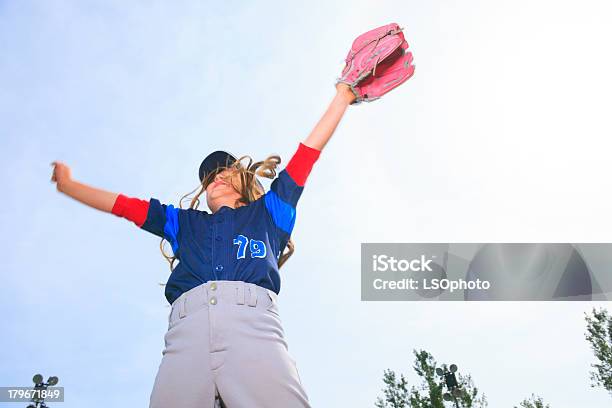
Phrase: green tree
(599, 334)
(533, 402)
(429, 393)
(396, 392)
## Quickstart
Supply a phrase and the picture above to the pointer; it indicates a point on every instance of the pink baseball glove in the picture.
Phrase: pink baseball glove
(377, 62)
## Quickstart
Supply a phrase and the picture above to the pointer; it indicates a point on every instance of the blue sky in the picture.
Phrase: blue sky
(501, 136)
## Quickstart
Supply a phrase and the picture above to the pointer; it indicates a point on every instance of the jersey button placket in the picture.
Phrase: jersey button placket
(218, 247)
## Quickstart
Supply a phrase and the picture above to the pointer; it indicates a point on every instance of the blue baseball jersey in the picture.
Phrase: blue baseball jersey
(232, 244)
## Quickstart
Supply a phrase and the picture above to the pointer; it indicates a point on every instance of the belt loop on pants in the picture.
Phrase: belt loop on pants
(252, 294)
(240, 294)
(246, 293)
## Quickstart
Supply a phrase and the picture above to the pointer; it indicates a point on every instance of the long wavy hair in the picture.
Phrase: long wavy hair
(247, 187)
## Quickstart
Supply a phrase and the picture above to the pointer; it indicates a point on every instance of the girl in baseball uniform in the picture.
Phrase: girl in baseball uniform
(225, 342)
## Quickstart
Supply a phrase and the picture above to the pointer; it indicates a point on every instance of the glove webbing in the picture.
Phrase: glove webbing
(380, 37)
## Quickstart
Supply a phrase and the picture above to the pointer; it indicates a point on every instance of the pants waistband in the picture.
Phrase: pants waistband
(215, 293)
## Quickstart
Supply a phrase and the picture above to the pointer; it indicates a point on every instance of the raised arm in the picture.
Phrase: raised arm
(286, 189)
(326, 126)
(133, 209)
(94, 197)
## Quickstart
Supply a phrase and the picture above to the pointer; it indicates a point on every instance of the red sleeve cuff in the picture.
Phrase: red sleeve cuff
(301, 163)
(132, 209)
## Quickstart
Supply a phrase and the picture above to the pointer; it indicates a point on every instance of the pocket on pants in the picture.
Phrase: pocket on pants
(273, 307)
(297, 372)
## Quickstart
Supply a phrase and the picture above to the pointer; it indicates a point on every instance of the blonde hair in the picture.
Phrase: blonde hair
(249, 191)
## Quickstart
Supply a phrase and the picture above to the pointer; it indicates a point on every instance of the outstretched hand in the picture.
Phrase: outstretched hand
(61, 174)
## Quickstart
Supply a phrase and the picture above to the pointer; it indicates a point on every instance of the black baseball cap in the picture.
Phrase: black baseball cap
(218, 159)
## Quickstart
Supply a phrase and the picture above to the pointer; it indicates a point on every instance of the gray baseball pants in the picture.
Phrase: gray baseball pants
(225, 346)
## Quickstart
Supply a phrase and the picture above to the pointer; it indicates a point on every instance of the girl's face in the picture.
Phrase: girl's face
(221, 192)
